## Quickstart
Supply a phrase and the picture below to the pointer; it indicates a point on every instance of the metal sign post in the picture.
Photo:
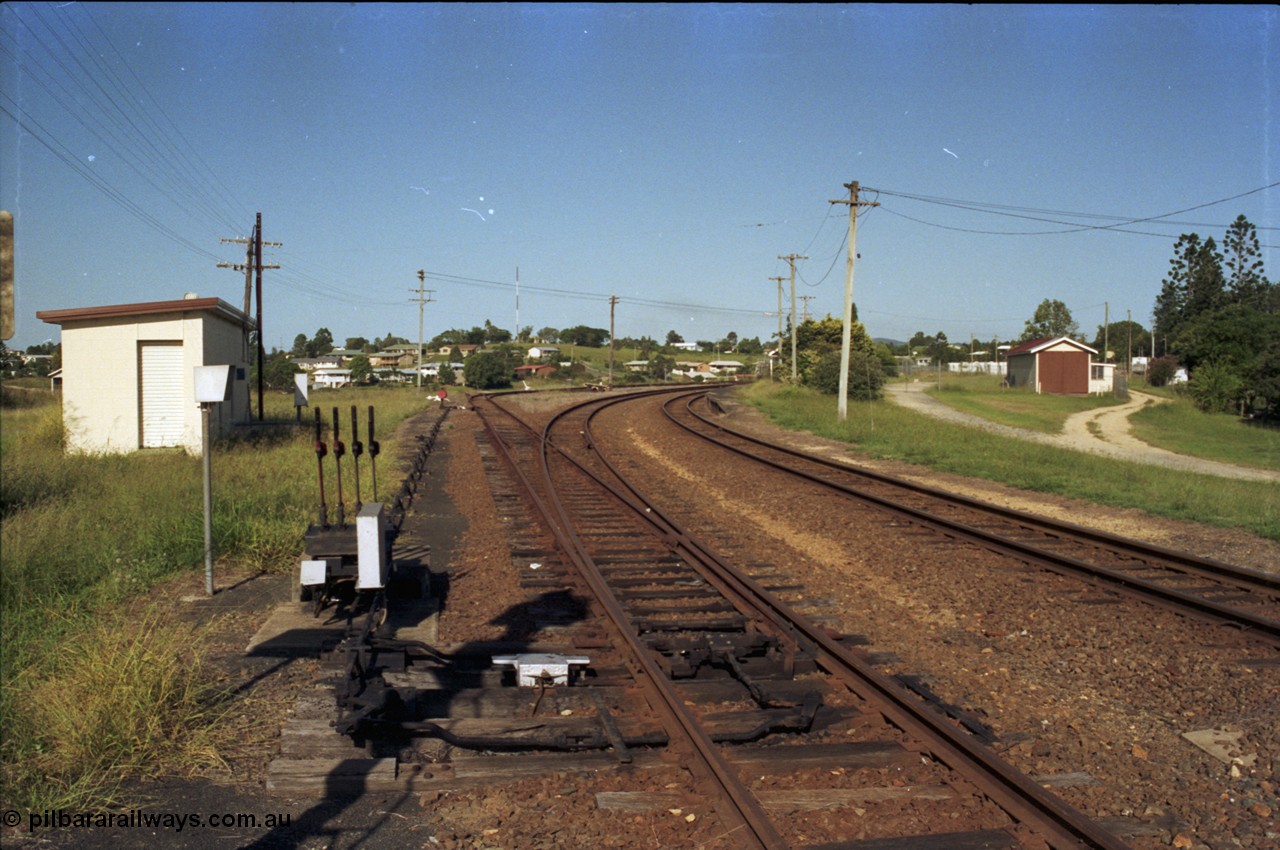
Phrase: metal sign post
(212, 383)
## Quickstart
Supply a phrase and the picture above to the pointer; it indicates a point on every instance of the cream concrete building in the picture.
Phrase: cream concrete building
(128, 372)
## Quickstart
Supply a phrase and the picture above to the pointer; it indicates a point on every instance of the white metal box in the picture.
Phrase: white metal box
(371, 548)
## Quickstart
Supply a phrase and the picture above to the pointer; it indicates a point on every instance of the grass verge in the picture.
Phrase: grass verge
(1179, 426)
(885, 430)
(1017, 407)
(83, 537)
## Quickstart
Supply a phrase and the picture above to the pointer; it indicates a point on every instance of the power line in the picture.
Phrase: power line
(1120, 225)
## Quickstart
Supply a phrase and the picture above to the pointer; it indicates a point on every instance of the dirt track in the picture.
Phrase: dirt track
(1111, 434)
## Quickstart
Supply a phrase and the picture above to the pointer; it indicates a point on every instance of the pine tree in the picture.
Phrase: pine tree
(1244, 280)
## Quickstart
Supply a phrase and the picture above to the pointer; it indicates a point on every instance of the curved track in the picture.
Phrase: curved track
(685, 618)
(1208, 590)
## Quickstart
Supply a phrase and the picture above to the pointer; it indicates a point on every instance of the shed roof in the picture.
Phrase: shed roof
(147, 308)
(1033, 346)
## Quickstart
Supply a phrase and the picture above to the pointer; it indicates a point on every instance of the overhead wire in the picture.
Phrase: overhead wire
(1120, 225)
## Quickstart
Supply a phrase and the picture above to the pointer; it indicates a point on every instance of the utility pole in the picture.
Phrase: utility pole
(1106, 331)
(779, 281)
(842, 405)
(613, 302)
(1128, 357)
(791, 258)
(422, 300)
(253, 264)
(804, 312)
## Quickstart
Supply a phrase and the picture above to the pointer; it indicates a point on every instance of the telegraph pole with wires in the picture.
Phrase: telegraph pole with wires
(791, 258)
(779, 281)
(842, 405)
(252, 266)
(424, 298)
(613, 302)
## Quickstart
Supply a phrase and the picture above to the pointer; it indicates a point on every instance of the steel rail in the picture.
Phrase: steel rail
(1020, 796)
(1216, 613)
(753, 828)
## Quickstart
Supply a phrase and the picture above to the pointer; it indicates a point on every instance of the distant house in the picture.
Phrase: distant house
(393, 358)
(636, 365)
(725, 367)
(465, 349)
(544, 352)
(324, 361)
(331, 378)
(1058, 365)
(536, 370)
(128, 372)
(685, 346)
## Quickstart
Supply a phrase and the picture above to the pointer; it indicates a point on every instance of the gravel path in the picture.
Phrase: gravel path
(1111, 434)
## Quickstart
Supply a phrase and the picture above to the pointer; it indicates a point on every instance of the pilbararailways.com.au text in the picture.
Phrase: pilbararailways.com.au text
(142, 819)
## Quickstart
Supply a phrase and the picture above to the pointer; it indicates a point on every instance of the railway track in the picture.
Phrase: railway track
(729, 678)
(1220, 594)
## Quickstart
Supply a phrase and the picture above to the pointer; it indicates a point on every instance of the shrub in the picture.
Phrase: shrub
(865, 376)
(1216, 387)
(1161, 370)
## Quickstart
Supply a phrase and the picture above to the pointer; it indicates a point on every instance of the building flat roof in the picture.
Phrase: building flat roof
(147, 308)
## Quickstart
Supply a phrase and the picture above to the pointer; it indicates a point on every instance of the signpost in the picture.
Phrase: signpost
(212, 384)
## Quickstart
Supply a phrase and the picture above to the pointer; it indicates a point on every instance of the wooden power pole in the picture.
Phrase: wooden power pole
(422, 299)
(252, 267)
(842, 405)
(613, 302)
(791, 258)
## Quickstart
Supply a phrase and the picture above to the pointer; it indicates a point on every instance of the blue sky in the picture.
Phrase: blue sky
(666, 155)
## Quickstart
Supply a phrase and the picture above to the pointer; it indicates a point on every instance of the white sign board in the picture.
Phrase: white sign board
(212, 383)
(300, 389)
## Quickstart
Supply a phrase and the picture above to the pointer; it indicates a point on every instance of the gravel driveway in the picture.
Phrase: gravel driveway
(1111, 435)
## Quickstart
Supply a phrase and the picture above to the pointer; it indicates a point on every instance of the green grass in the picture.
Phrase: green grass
(83, 535)
(1017, 407)
(885, 430)
(1180, 427)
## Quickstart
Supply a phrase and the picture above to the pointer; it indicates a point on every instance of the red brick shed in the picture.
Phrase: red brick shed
(1057, 365)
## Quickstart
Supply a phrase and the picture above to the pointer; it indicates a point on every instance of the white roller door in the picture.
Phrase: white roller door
(161, 395)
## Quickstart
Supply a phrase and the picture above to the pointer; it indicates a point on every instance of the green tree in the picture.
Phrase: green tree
(866, 379)
(1245, 282)
(356, 343)
(661, 366)
(1216, 387)
(549, 335)
(1160, 370)
(1119, 335)
(494, 334)
(487, 370)
(583, 335)
(673, 337)
(1051, 319)
(1194, 285)
(1265, 379)
(299, 346)
(361, 370)
(321, 343)
(279, 372)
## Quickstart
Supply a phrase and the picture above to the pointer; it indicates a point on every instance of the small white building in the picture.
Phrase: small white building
(543, 352)
(331, 378)
(128, 372)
